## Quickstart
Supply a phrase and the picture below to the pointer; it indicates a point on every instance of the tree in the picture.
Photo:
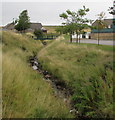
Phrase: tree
(75, 21)
(59, 30)
(81, 22)
(38, 33)
(112, 12)
(100, 23)
(112, 9)
(23, 22)
(70, 28)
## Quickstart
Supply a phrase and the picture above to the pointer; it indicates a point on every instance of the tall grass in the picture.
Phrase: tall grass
(88, 70)
(25, 93)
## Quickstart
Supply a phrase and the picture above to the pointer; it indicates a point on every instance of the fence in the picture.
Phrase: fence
(103, 36)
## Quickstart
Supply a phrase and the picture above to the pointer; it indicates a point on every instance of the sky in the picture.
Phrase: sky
(47, 12)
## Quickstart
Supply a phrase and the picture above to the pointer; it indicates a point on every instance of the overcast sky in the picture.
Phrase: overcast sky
(48, 12)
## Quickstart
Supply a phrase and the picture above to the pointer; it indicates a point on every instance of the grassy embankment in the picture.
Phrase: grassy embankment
(25, 93)
(88, 70)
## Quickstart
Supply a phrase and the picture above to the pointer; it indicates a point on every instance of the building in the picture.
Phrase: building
(33, 26)
(84, 35)
(108, 23)
(107, 33)
(9, 26)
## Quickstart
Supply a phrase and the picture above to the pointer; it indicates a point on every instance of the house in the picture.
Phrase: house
(33, 26)
(44, 29)
(86, 34)
(104, 34)
(108, 23)
(9, 26)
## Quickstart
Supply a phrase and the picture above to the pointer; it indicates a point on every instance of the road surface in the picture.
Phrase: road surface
(102, 42)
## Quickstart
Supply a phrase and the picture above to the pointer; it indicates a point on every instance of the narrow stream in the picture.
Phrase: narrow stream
(60, 88)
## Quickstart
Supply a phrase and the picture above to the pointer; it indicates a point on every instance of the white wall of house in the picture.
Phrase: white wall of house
(86, 35)
(75, 36)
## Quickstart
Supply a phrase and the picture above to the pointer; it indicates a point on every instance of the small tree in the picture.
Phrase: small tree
(81, 21)
(38, 33)
(100, 23)
(70, 28)
(23, 22)
(75, 21)
(68, 25)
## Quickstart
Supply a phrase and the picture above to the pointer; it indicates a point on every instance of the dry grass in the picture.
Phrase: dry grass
(25, 93)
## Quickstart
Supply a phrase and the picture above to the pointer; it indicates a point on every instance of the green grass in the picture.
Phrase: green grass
(102, 47)
(25, 93)
(50, 29)
(88, 70)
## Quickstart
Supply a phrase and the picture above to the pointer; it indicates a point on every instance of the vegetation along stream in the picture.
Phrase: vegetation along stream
(61, 90)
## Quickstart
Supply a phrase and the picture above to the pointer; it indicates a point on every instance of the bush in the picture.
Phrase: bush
(38, 33)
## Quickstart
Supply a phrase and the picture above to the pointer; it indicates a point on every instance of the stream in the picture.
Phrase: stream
(60, 88)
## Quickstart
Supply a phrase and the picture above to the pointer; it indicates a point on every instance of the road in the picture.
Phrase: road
(102, 42)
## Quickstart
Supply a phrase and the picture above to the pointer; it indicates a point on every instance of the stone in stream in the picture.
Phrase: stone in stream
(65, 100)
(35, 67)
(39, 71)
(35, 62)
(45, 72)
(73, 111)
(58, 87)
(47, 76)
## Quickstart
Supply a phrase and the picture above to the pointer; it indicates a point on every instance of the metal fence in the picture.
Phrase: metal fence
(106, 30)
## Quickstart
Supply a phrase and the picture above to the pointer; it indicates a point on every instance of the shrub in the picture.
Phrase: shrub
(38, 33)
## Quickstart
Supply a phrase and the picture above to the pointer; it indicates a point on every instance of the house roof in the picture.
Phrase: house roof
(9, 26)
(106, 21)
(35, 25)
(107, 29)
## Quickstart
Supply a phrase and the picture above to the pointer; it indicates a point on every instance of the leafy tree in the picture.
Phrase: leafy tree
(70, 28)
(112, 9)
(38, 33)
(112, 12)
(75, 21)
(59, 30)
(23, 22)
(100, 23)
(81, 22)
